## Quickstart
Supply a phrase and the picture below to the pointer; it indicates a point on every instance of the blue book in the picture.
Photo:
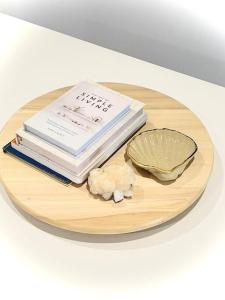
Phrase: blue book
(8, 149)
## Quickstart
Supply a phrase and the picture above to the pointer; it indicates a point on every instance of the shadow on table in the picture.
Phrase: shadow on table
(134, 259)
(103, 238)
(169, 231)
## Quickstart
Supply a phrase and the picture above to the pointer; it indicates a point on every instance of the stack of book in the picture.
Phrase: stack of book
(79, 131)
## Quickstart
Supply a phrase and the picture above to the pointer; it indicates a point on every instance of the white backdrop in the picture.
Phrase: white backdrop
(186, 36)
(183, 261)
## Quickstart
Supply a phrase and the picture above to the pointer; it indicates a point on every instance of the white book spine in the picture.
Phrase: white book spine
(64, 159)
(46, 150)
(44, 161)
(82, 176)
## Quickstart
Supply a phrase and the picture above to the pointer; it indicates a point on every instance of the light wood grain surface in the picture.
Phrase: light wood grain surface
(74, 208)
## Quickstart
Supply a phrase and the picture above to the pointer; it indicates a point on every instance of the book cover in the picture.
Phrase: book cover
(77, 163)
(79, 117)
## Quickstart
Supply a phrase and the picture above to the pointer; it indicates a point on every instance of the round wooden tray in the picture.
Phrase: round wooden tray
(74, 208)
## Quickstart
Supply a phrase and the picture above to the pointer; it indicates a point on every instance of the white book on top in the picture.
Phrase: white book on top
(78, 163)
(79, 117)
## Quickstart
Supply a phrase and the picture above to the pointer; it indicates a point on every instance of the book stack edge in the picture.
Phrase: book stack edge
(78, 131)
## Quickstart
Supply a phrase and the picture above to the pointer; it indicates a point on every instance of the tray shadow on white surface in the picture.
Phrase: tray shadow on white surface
(179, 225)
(124, 261)
(103, 238)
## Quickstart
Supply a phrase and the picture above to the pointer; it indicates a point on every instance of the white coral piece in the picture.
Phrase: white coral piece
(112, 180)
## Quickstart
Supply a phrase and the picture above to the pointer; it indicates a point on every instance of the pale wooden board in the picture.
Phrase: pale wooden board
(74, 208)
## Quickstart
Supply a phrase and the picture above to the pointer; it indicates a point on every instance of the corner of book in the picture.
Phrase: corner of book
(18, 139)
(25, 124)
(5, 147)
(26, 127)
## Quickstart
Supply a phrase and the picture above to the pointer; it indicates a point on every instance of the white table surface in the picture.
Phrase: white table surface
(186, 259)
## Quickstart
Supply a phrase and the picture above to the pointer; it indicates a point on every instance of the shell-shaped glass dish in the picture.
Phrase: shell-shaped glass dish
(163, 152)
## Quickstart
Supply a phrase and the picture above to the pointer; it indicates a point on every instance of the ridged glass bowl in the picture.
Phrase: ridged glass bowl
(163, 152)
